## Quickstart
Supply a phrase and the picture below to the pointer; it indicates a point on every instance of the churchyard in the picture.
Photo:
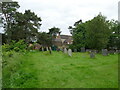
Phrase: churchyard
(32, 57)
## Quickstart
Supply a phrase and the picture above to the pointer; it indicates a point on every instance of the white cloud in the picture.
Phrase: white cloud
(63, 13)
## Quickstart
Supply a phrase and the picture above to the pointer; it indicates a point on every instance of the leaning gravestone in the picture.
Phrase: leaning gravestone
(92, 54)
(65, 50)
(104, 52)
(50, 48)
(70, 52)
(82, 49)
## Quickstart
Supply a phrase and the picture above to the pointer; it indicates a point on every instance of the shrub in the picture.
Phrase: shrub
(19, 46)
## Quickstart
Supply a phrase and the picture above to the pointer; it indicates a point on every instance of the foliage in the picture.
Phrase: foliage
(8, 17)
(19, 25)
(44, 39)
(98, 32)
(54, 31)
(19, 46)
(92, 34)
(114, 40)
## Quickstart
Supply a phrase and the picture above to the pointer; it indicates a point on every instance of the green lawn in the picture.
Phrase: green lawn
(42, 70)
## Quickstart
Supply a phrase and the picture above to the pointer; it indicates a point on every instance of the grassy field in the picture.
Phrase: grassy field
(42, 70)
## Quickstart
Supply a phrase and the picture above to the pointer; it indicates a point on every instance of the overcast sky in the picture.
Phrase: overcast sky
(63, 13)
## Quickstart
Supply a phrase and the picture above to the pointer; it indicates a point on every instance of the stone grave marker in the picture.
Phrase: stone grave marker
(70, 52)
(82, 49)
(117, 51)
(42, 49)
(104, 52)
(92, 55)
(50, 50)
(65, 50)
(47, 49)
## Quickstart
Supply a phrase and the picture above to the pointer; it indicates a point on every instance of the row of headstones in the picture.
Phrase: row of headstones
(47, 49)
(105, 52)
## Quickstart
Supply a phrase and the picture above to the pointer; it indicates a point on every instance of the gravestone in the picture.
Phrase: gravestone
(95, 51)
(42, 49)
(75, 50)
(50, 48)
(70, 52)
(117, 51)
(92, 55)
(104, 52)
(88, 50)
(46, 48)
(65, 50)
(82, 49)
(111, 52)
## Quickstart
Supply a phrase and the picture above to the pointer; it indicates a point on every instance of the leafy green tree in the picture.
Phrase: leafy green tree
(19, 25)
(26, 26)
(8, 11)
(114, 40)
(78, 34)
(97, 32)
(54, 31)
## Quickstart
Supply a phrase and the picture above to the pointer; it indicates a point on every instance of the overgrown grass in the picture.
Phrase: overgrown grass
(42, 70)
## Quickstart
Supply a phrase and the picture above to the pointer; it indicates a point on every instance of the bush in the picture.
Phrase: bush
(19, 46)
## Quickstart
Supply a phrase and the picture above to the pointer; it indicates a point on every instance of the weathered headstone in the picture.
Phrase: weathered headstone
(92, 55)
(117, 51)
(104, 52)
(88, 50)
(42, 49)
(65, 50)
(70, 52)
(82, 49)
(50, 48)
(75, 50)
(95, 51)
(46, 48)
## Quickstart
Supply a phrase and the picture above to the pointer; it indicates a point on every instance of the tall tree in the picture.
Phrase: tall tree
(114, 40)
(26, 25)
(98, 32)
(78, 34)
(54, 31)
(8, 11)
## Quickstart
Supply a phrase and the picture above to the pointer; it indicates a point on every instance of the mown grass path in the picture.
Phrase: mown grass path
(79, 71)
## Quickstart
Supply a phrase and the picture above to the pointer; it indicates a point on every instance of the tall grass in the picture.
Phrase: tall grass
(58, 70)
